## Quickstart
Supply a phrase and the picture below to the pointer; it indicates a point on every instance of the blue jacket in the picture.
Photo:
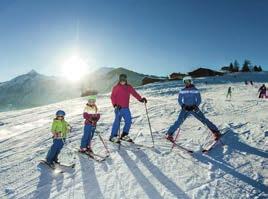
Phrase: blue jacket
(190, 96)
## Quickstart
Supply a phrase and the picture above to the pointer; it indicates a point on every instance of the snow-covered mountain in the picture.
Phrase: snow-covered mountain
(237, 169)
(104, 79)
(33, 89)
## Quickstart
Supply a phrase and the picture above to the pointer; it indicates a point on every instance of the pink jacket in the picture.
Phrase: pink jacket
(121, 94)
(90, 115)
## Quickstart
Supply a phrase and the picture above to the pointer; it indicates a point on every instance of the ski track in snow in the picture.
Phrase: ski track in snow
(236, 170)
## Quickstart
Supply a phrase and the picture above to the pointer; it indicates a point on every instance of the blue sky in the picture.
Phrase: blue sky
(153, 37)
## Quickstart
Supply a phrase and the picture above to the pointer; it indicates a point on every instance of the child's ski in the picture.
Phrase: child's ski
(66, 165)
(51, 167)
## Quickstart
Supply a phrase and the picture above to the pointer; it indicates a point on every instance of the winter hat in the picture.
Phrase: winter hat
(187, 79)
(122, 77)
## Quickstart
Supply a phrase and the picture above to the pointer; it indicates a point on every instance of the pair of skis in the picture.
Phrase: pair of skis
(209, 146)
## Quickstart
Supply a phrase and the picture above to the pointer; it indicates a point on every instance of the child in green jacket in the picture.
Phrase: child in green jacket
(60, 129)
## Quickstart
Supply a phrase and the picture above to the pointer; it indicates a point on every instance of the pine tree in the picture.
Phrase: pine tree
(246, 65)
(260, 69)
(256, 68)
(231, 67)
(236, 66)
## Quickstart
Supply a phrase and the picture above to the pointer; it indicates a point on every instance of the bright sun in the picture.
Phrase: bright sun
(74, 68)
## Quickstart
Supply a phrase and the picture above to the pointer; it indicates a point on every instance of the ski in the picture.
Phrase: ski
(51, 167)
(138, 145)
(180, 147)
(134, 146)
(66, 165)
(93, 157)
(128, 145)
(214, 143)
(101, 156)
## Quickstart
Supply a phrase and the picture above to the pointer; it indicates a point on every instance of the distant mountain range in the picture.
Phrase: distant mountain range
(104, 78)
(33, 89)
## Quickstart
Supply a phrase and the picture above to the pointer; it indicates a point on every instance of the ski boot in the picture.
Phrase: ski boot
(51, 165)
(82, 150)
(125, 137)
(216, 135)
(114, 140)
(89, 150)
(170, 138)
(56, 161)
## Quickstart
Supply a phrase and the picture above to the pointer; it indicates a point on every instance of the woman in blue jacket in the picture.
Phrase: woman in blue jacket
(189, 100)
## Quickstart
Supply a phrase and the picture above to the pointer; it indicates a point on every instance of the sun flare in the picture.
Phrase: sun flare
(74, 68)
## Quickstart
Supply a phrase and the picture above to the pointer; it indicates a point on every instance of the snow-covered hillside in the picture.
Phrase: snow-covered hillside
(239, 169)
(33, 89)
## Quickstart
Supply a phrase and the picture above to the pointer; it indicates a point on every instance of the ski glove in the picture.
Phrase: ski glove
(117, 108)
(143, 100)
(195, 108)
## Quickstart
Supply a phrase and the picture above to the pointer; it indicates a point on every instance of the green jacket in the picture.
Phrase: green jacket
(60, 126)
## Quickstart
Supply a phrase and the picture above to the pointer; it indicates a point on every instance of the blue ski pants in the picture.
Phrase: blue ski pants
(197, 114)
(119, 114)
(54, 150)
(89, 131)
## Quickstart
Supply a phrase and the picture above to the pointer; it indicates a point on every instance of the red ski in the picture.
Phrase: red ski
(214, 143)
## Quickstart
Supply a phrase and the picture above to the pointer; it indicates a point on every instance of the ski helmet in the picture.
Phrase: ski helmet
(60, 113)
(122, 77)
(92, 98)
(187, 79)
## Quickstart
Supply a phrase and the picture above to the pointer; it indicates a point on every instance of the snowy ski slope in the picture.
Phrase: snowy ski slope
(236, 170)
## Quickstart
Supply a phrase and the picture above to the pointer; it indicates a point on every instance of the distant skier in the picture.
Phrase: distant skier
(189, 100)
(229, 93)
(246, 82)
(262, 91)
(251, 82)
(91, 117)
(120, 99)
(60, 129)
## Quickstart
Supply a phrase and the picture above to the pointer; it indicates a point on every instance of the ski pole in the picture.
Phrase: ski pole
(119, 144)
(67, 147)
(150, 127)
(103, 142)
(174, 143)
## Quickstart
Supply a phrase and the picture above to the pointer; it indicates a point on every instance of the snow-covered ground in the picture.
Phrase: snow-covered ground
(239, 169)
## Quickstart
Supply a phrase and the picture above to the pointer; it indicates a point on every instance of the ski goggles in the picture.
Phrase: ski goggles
(91, 101)
(188, 81)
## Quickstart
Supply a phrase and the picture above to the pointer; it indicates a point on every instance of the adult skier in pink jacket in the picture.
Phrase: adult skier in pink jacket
(120, 99)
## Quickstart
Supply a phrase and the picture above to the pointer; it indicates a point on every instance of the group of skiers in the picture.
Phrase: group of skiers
(189, 99)
(261, 92)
